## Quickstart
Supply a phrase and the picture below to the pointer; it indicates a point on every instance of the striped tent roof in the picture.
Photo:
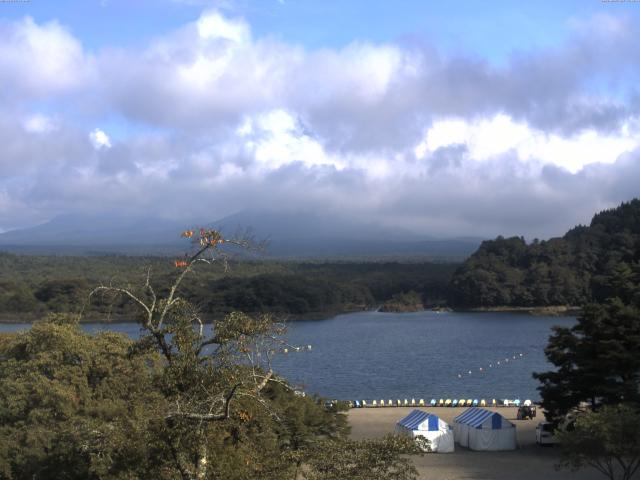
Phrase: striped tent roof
(417, 417)
(476, 417)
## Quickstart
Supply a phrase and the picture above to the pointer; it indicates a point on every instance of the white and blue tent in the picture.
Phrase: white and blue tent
(429, 426)
(480, 429)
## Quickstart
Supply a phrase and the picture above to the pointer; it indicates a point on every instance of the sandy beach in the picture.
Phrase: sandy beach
(528, 462)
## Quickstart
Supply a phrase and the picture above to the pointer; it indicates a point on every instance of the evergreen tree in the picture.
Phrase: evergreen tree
(598, 359)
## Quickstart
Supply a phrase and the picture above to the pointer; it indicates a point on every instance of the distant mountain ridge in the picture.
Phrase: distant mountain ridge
(569, 270)
(291, 235)
(96, 234)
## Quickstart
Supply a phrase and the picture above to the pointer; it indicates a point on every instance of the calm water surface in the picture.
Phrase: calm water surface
(373, 355)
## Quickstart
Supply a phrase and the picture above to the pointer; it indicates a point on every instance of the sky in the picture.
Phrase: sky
(468, 118)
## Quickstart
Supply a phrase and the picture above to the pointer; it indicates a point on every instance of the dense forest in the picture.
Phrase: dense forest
(508, 272)
(32, 286)
(571, 270)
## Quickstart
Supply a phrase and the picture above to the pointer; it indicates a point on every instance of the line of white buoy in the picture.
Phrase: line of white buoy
(491, 365)
(292, 349)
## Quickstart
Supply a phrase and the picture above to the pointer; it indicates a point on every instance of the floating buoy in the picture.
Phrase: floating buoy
(308, 347)
(484, 368)
(286, 350)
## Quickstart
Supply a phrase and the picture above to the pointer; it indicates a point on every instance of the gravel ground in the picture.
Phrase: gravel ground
(528, 462)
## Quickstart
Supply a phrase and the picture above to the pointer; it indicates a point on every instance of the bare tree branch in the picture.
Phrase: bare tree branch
(209, 417)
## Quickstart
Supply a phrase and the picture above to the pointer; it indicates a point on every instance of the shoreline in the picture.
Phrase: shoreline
(552, 311)
(549, 310)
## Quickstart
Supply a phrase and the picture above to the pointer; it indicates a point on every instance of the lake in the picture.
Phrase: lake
(374, 355)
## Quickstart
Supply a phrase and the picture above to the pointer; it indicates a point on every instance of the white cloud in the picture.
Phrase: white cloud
(38, 123)
(40, 59)
(363, 96)
(387, 132)
(99, 139)
(487, 138)
(212, 25)
(276, 138)
(358, 72)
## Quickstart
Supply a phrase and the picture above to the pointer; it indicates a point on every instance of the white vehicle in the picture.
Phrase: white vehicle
(544, 434)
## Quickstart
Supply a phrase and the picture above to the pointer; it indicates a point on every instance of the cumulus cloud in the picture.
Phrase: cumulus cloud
(99, 139)
(491, 136)
(213, 120)
(40, 60)
(366, 96)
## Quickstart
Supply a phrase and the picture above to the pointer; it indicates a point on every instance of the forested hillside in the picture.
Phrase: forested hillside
(570, 270)
(32, 286)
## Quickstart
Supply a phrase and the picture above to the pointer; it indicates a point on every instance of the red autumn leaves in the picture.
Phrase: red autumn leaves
(207, 238)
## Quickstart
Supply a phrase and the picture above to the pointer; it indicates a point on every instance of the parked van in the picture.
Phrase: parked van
(544, 434)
